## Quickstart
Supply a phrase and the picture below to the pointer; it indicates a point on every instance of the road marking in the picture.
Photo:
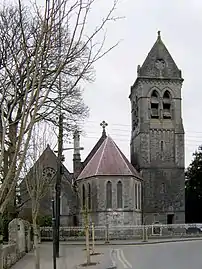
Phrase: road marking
(112, 257)
(124, 259)
(121, 257)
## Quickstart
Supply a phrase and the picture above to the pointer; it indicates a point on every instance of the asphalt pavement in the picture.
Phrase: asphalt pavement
(168, 255)
(178, 255)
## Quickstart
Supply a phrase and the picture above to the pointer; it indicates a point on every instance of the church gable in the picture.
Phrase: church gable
(46, 164)
(48, 159)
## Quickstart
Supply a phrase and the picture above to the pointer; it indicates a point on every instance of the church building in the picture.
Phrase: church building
(110, 186)
(150, 188)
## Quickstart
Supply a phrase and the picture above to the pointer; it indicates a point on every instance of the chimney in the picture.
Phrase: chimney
(77, 155)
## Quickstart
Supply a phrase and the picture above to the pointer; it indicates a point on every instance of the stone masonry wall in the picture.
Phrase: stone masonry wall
(157, 149)
(99, 214)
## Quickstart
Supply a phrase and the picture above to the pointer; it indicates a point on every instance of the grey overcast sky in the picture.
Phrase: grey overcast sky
(180, 23)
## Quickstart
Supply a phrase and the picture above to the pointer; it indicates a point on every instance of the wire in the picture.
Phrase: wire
(95, 123)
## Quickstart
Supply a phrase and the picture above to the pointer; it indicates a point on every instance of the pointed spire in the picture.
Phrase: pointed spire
(104, 124)
(159, 63)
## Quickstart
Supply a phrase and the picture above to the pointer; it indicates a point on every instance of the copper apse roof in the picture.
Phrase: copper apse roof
(108, 160)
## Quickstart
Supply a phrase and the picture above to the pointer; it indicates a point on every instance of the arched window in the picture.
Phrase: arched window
(154, 105)
(140, 196)
(162, 146)
(163, 188)
(166, 105)
(119, 195)
(89, 196)
(136, 195)
(109, 194)
(83, 196)
(135, 116)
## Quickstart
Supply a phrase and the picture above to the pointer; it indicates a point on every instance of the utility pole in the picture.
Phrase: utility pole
(60, 147)
(53, 225)
(58, 184)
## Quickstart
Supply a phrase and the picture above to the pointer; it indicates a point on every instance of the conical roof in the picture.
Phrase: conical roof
(108, 160)
(159, 63)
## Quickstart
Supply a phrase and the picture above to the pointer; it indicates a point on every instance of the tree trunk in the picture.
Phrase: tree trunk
(87, 245)
(93, 238)
(36, 245)
(87, 235)
(1, 241)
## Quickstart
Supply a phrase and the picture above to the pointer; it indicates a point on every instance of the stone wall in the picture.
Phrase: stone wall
(11, 255)
(157, 149)
(19, 242)
(99, 214)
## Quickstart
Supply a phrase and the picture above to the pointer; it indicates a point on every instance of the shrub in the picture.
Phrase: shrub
(44, 221)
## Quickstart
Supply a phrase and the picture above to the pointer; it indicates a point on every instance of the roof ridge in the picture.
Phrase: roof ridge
(105, 141)
(108, 160)
(94, 150)
(120, 153)
(89, 162)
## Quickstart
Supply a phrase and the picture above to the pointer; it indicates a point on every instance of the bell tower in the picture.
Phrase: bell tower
(157, 136)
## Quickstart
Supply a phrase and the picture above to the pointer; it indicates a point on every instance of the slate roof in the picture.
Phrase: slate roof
(49, 159)
(108, 160)
(95, 148)
(159, 52)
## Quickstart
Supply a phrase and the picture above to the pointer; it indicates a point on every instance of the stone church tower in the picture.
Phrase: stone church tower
(157, 137)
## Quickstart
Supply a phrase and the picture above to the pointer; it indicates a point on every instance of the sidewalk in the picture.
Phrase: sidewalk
(132, 242)
(71, 258)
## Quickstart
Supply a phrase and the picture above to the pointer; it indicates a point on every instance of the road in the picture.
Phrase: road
(172, 255)
(176, 255)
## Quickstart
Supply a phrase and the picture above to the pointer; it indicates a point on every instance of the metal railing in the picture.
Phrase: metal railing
(141, 232)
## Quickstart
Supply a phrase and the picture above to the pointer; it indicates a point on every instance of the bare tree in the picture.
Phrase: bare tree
(84, 203)
(38, 181)
(30, 67)
(42, 49)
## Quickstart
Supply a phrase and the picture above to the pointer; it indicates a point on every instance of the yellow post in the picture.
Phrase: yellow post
(86, 223)
(146, 234)
(107, 234)
(143, 233)
(93, 238)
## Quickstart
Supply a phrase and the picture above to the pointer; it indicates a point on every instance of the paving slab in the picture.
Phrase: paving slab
(70, 257)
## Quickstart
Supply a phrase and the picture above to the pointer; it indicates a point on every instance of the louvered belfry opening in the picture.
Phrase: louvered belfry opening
(166, 105)
(154, 105)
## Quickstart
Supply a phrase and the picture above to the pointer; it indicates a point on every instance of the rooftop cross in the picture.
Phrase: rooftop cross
(159, 34)
(103, 124)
